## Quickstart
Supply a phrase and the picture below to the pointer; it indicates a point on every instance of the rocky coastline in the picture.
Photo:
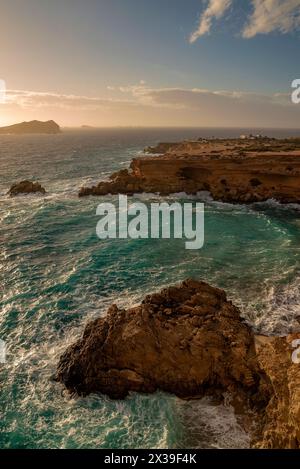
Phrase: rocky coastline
(232, 170)
(189, 340)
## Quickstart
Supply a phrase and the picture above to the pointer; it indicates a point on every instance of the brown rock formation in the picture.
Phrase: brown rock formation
(120, 182)
(179, 340)
(161, 148)
(189, 340)
(232, 170)
(25, 187)
(281, 420)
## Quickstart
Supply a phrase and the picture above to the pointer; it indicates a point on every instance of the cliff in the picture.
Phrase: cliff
(280, 422)
(190, 340)
(32, 127)
(232, 170)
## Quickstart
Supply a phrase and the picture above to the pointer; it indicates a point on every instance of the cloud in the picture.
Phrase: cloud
(36, 99)
(219, 107)
(142, 105)
(215, 10)
(266, 16)
(190, 97)
(202, 99)
(273, 15)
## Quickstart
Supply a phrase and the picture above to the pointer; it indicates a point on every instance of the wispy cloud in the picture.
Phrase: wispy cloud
(141, 94)
(273, 15)
(37, 99)
(266, 16)
(215, 10)
(141, 104)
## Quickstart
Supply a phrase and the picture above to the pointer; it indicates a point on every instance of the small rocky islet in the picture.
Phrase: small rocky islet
(26, 187)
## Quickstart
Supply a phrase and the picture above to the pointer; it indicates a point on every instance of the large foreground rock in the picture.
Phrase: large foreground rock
(183, 340)
(190, 340)
(26, 187)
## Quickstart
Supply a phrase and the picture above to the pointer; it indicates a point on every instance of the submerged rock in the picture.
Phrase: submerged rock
(26, 187)
(189, 340)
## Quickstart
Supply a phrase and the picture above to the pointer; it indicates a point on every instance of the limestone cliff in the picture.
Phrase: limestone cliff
(281, 418)
(232, 170)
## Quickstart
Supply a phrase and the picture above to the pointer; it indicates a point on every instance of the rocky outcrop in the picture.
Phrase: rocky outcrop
(183, 340)
(232, 171)
(26, 187)
(32, 127)
(191, 341)
(120, 182)
(281, 418)
(160, 148)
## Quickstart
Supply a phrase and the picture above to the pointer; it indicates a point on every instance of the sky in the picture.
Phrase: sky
(206, 63)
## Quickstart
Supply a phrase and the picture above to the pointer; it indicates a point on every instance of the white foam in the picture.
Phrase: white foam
(281, 314)
(209, 425)
(273, 203)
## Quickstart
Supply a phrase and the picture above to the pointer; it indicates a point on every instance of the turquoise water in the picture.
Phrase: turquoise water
(56, 275)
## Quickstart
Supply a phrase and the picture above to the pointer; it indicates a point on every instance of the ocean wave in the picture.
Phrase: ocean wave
(207, 424)
(281, 314)
(273, 203)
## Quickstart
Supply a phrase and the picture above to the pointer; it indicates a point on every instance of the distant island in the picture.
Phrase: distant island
(32, 127)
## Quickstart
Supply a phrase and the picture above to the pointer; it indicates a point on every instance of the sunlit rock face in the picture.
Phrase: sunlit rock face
(232, 170)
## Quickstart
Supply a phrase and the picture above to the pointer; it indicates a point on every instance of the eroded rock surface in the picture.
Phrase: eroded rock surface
(183, 340)
(281, 419)
(232, 170)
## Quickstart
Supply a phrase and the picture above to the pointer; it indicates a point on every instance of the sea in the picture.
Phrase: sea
(56, 275)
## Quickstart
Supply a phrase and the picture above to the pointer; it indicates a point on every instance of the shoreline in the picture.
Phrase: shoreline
(232, 170)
